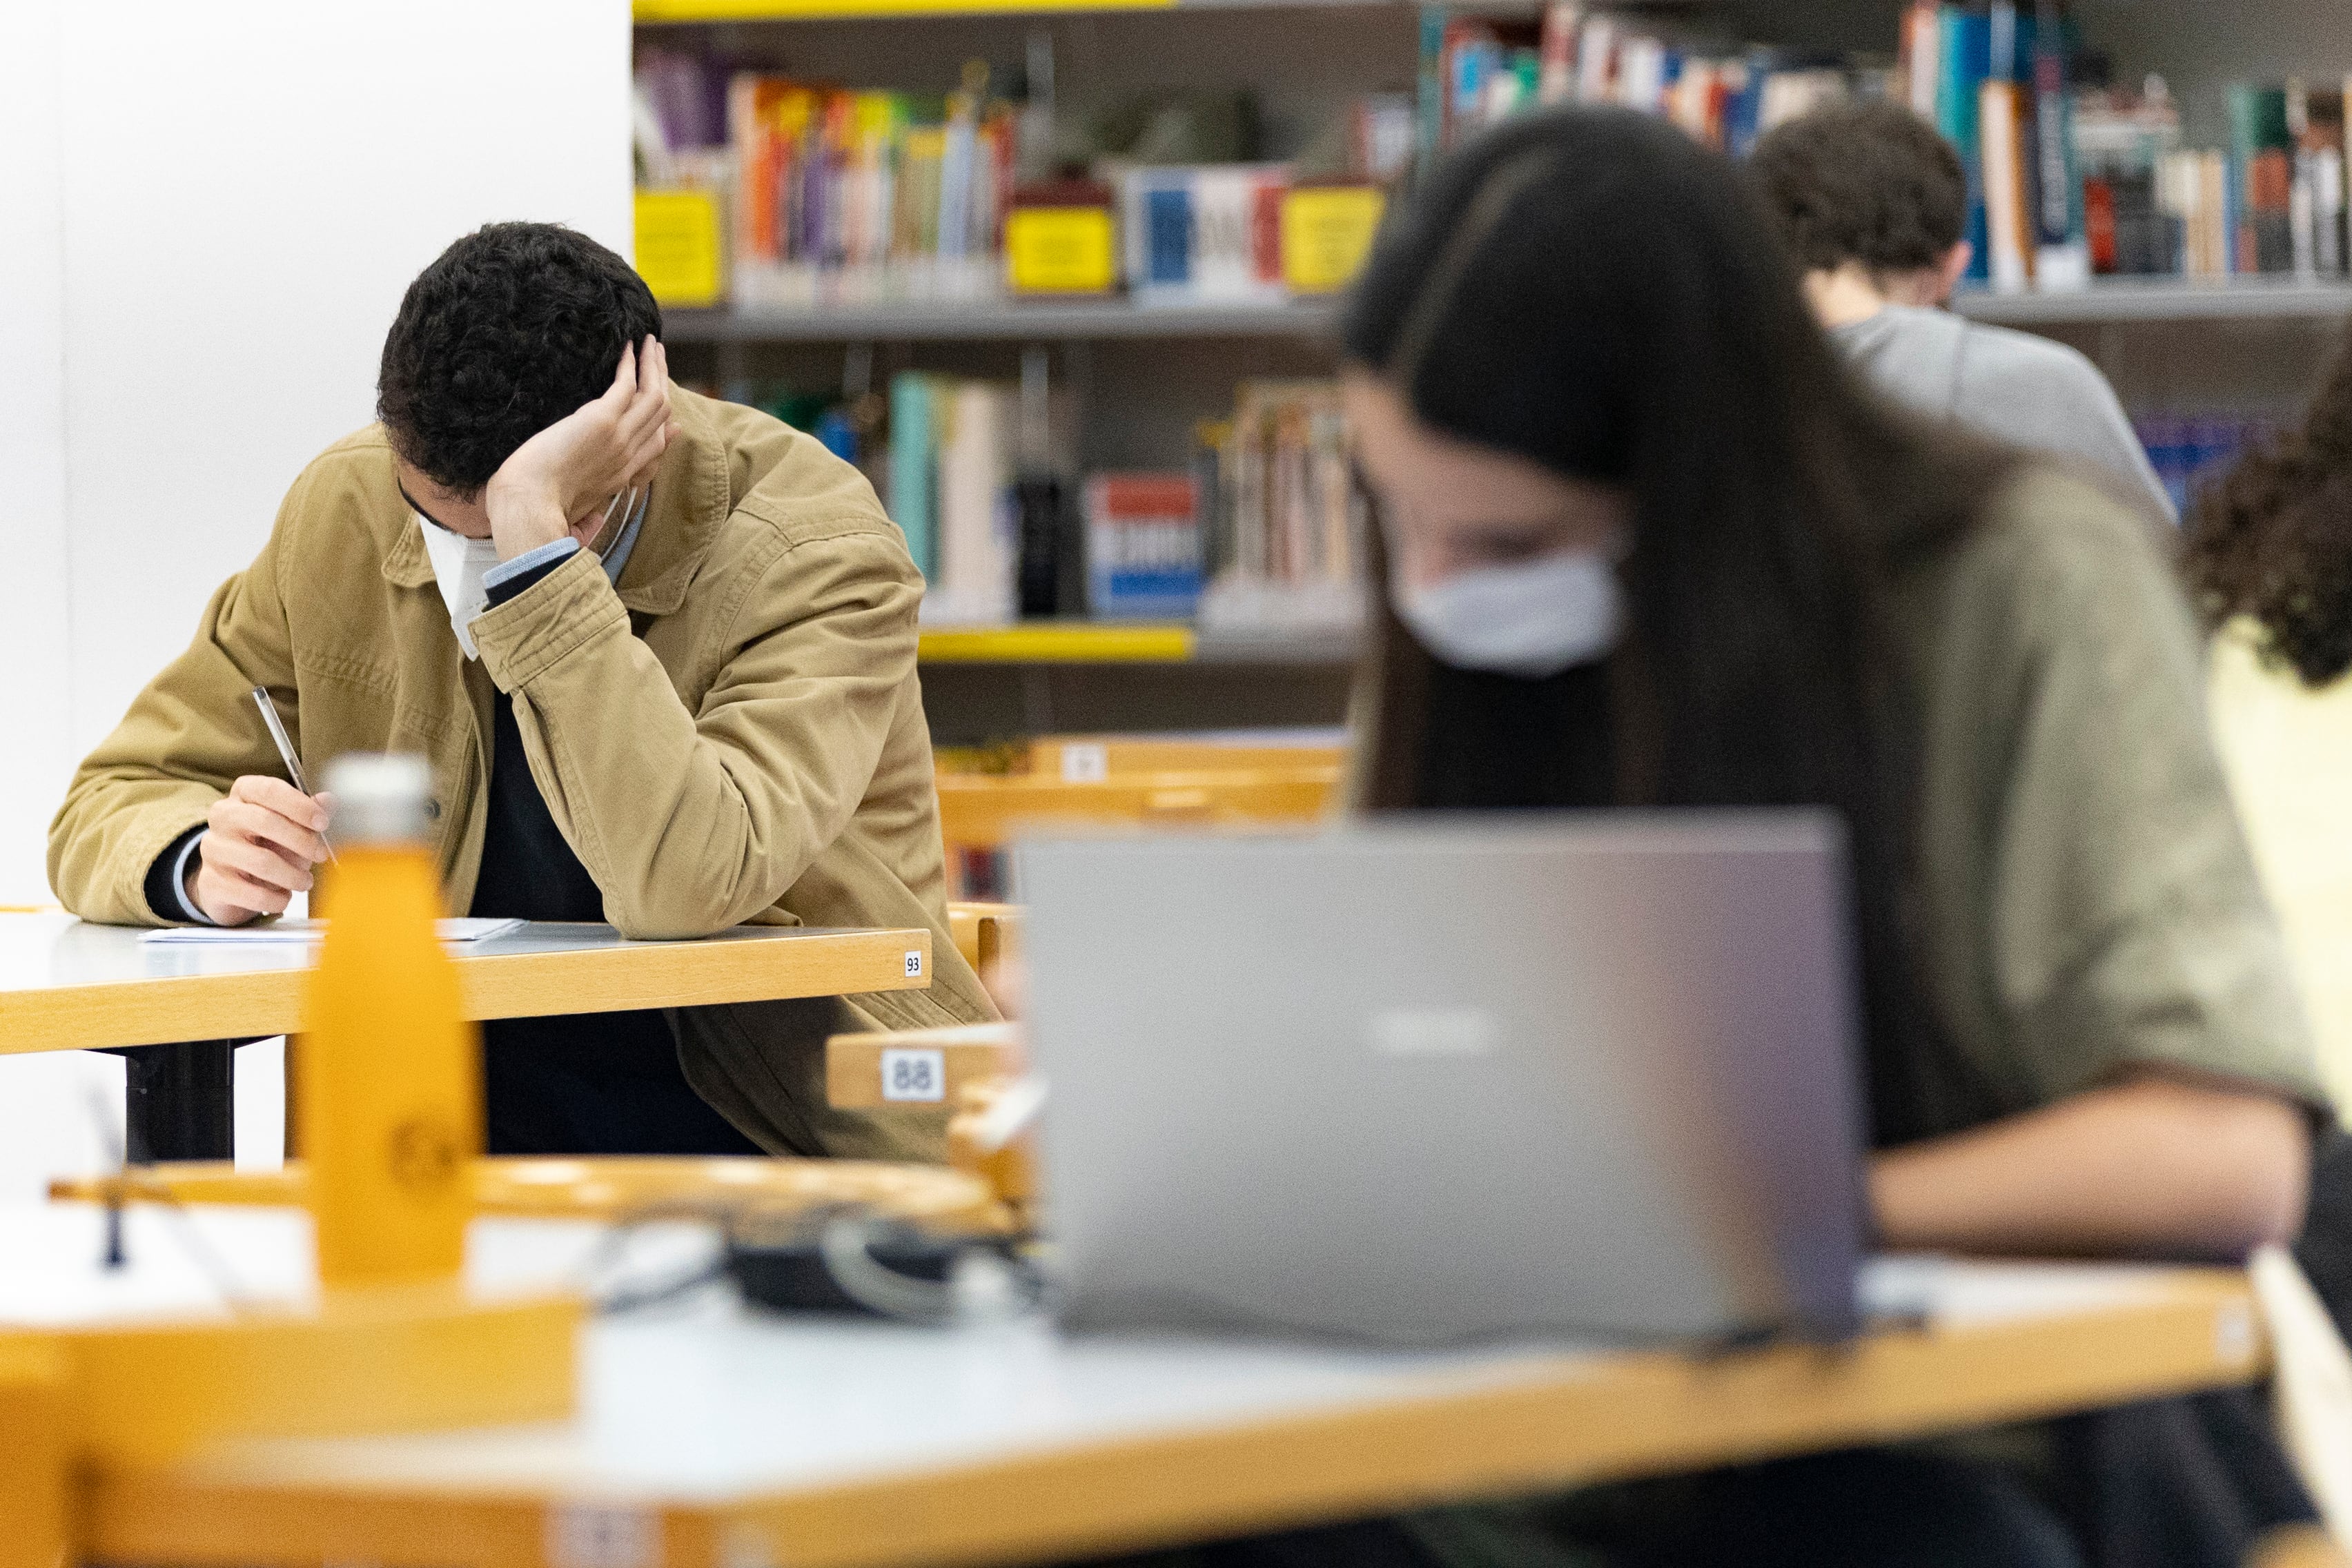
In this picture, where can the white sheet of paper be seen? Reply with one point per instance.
(465, 930)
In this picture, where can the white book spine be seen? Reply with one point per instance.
(975, 547)
(2004, 203)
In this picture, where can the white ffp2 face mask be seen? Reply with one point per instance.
(1535, 618)
(459, 564)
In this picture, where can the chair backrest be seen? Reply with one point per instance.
(917, 1069)
(985, 933)
(981, 811)
(1086, 759)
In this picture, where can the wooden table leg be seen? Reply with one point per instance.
(179, 1101)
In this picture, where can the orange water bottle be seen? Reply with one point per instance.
(389, 1085)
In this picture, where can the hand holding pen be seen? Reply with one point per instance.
(262, 841)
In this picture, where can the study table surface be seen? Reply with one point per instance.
(66, 984)
(712, 1438)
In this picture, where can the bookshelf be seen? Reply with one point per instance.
(1136, 378)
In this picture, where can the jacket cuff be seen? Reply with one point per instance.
(524, 638)
(133, 863)
(508, 579)
(167, 881)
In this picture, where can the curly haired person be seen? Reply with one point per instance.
(2269, 562)
(659, 652)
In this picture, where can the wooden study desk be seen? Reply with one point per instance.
(68, 985)
(710, 1437)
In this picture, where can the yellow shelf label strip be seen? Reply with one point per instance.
(1051, 643)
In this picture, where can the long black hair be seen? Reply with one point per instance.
(1593, 290)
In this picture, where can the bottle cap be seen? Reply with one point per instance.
(380, 798)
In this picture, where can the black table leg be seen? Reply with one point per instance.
(179, 1101)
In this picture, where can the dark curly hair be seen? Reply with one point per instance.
(510, 329)
(2273, 539)
(1862, 182)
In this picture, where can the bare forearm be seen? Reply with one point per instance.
(2152, 1167)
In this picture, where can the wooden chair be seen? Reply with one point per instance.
(974, 1070)
(1282, 779)
(979, 814)
(989, 936)
(976, 809)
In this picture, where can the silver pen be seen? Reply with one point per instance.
(286, 753)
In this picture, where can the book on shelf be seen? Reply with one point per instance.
(2062, 252)
(2009, 223)
(913, 489)
(2132, 228)
(1143, 546)
(2315, 121)
(978, 548)
(1210, 233)
(1964, 51)
(2261, 237)
(1284, 532)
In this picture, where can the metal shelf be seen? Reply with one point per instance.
(996, 319)
(2116, 300)
(2161, 299)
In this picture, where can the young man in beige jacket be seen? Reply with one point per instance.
(660, 653)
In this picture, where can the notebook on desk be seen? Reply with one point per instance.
(1453, 1081)
(465, 930)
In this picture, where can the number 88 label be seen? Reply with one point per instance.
(914, 1075)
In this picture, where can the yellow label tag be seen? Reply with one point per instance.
(1326, 232)
(678, 253)
(1060, 250)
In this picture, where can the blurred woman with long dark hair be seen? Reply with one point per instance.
(1646, 544)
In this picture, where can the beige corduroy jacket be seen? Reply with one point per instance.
(733, 732)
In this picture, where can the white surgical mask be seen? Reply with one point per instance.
(459, 564)
(1534, 618)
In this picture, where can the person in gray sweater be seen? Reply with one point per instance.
(1873, 203)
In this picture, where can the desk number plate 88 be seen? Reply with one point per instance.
(914, 1075)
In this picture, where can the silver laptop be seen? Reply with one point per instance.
(1593, 1074)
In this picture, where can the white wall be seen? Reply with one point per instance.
(207, 215)
(35, 730)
